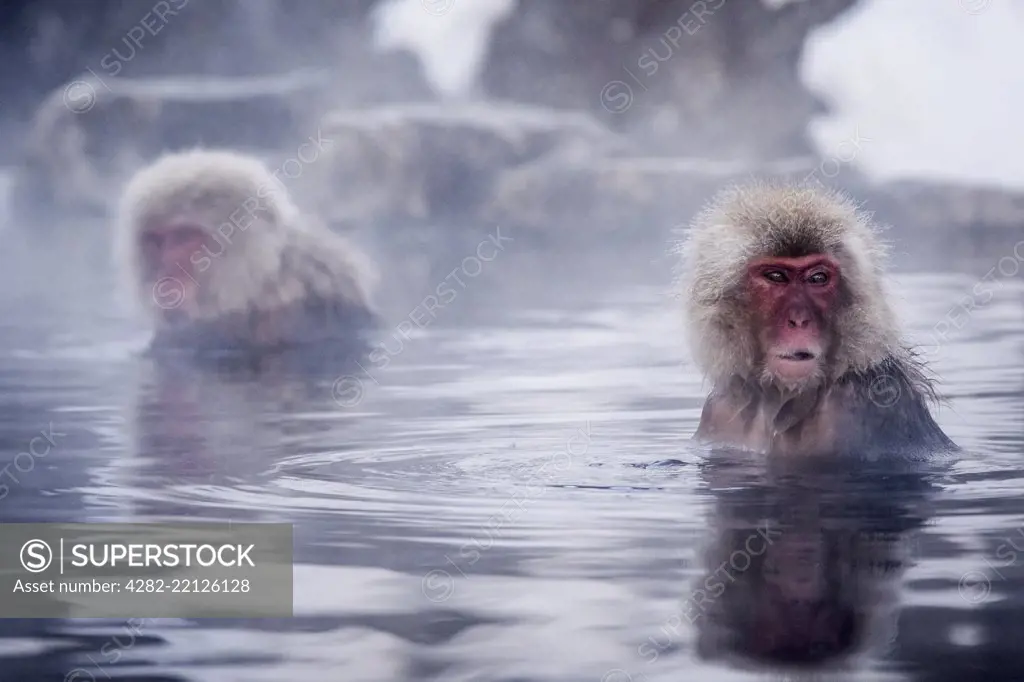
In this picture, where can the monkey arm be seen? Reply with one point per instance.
(730, 418)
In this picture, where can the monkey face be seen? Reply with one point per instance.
(793, 301)
(170, 253)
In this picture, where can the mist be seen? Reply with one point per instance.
(508, 484)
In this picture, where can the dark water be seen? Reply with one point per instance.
(514, 497)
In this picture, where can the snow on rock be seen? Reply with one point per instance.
(449, 37)
(437, 161)
(936, 86)
(88, 136)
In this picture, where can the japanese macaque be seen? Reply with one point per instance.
(789, 321)
(221, 259)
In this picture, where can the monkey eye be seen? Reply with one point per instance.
(777, 276)
(818, 278)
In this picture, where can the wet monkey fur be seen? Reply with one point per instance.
(789, 320)
(220, 258)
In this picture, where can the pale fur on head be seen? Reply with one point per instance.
(267, 254)
(765, 219)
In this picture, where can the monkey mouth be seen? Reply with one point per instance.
(798, 356)
(794, 367)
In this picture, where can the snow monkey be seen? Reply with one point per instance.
(789, 321)
(221, 259)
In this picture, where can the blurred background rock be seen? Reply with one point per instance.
(617, 115)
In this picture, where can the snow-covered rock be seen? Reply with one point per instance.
(938, 85)
(429, 162)
(91, 133)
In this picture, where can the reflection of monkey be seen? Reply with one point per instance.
(788, 318)
(214, 425)
(806, 570)
(221, 258)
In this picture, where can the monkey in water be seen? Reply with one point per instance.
(221, 259)
(789, 320)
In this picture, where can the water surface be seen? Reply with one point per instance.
(514, 497)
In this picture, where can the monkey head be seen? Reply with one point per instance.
(783, 286)
(201, 233)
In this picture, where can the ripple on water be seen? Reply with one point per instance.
(471, 438)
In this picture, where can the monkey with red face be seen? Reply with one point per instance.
(220, 258)
(789, 320)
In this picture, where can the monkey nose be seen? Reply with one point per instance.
(798, 319)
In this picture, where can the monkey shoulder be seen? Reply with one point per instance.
(333, 301)
(887, 409)
(315, 321)
(328, 272)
